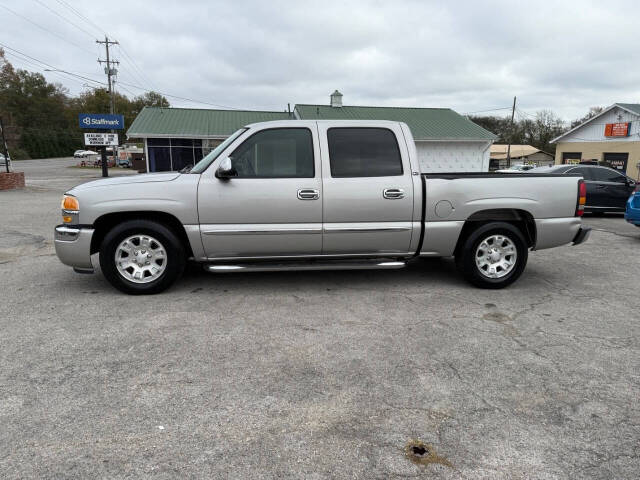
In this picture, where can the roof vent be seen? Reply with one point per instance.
(336, 99)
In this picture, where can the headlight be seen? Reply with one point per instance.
(70, 207)
(70, 203)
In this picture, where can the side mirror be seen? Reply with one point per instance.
(225, 171)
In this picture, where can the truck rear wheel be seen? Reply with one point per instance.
(493, 256)
(141, 257)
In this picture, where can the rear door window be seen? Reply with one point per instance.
(607, 175)
(586, 172)
(363, 152)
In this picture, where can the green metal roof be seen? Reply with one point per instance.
(193, 122)
(634, 107)
(425, 123)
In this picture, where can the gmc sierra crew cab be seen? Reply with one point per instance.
(312, 195)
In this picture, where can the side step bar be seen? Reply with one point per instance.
(302, 266)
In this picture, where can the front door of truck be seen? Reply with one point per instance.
(367, 190)
(273, 206)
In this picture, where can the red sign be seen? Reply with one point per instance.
(617, 129)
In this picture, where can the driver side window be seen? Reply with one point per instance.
(275, 153)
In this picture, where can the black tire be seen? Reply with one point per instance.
(175, 256)
(466, 258)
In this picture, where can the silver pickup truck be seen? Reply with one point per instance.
(313, 195)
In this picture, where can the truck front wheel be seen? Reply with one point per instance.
(141, 257)
(493, 256)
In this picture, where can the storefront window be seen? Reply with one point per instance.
(167, 154)
(159, 159)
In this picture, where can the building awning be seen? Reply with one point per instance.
(499, 151)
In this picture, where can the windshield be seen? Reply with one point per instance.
(203, 164)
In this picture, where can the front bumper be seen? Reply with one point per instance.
(582, 236)
(73, 246)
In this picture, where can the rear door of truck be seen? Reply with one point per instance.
(368, 199)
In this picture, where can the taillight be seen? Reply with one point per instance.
(582, 198)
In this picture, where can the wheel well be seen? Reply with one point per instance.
(106, 222)
(521, 219)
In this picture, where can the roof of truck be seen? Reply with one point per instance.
(425, 123)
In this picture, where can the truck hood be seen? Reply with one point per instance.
(143, 178)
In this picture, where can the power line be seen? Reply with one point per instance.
(133, 94)
(80, 15)
(526, 113)
(50, 66)
(182, 98)
(135, 65)
(131, 73)
(122, 83)
(491, 110)
(136, 72)
(46, 29)
(65, 19)
(76, 12)
(39, 67)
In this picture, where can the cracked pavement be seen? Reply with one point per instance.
(316, 374)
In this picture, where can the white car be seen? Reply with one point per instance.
(84, 153)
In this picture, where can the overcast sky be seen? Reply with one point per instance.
(467, 55)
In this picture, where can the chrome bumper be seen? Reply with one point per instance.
(73, 246)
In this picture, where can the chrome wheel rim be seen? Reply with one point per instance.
(496, 256)
(141, 259)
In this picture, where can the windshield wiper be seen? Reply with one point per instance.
(186, 169)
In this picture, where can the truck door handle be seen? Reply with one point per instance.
(308, 194)
(393, 193)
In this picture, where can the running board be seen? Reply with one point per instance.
(302, 266)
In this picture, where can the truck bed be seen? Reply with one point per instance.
(546, 201)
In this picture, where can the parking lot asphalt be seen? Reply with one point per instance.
(316, 374)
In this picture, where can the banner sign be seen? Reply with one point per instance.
(104, 121)
(100, 139)
(617, 129)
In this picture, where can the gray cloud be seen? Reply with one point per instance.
(467, 55)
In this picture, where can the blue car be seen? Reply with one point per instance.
(632, 213)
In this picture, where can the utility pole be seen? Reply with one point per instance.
(110, 71)
(513, 112)
(4, 147)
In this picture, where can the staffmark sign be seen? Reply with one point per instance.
(100, 139)
(101, 120)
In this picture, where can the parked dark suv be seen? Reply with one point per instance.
(607, 189)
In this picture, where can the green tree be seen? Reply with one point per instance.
(537, 131)
(41, 117)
